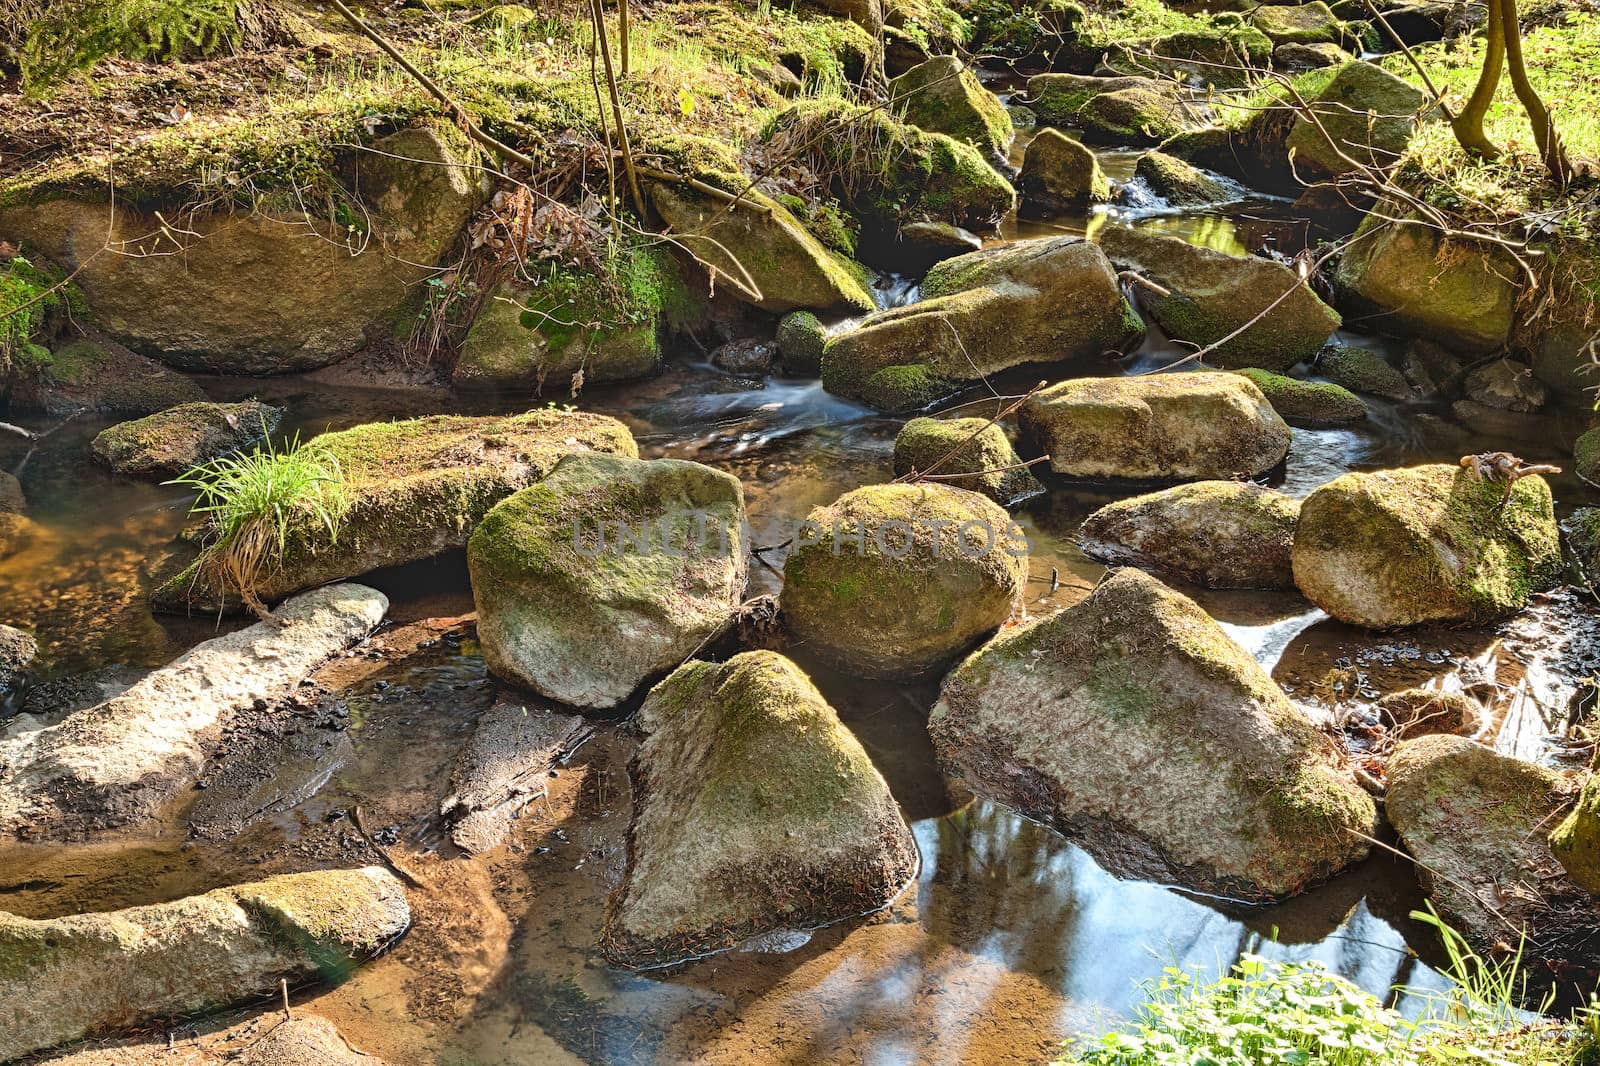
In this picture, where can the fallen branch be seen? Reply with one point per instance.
(1133, 278)
(8, 427)
(399, 871)
(702, 187)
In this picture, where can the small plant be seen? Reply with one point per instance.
(71, 36)
(1266, 1013)
(254, 503)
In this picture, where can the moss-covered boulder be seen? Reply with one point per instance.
(896, 580)
(1313, 23)
(1414, 282)
(172, 441)
(800, 338)
(889, 173)
(1363, 370)
(1559, 340)
(1221, 55)
(1199, 426)
(919, 245)
(98, 377)
(1418, 712)
(1059, 174)
(1582, 529)
(416, 488)
(1586, 456)
(1137, 116)
(1219, 534)
(1134, 725)
(1179, 183)
(1392, 548)
(1295, 58)
(967, 453)
(260, 292)
(761, 246)
(1477, 822)
(65, 978)
(755, 810)
(1576, 841)
(607, 573)
(1214, 295)
(556, 326)
(1047, 300)
(1370, 115)
(943, 96)
(1059, 99)
(1308, 403)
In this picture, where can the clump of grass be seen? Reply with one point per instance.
(1264, 1012)
(254, 503)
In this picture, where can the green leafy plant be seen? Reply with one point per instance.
(1266, 1013)
(255, 503)
(29, 297)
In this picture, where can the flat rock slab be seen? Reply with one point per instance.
(118, 763)
(501, 768)
(268, 1040)
(66, 978)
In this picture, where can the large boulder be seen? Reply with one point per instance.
(121, 762)
(1222, 54)
(1059, 174)
(1220, 534)
(1059, 99)
(966, 453)
(258, 292)
(1214, 295)
(896, 580)
(760, 243)
(1477, 823)
(1047, 300)
(100, 377)
(1363, 370)
(889, 173)
(1434, 543)
(171, 441)
(1308, 403)
(1416, 283)
(1195, 426)
(1134, 725)
(65, 978)
(1370, 115)
(607, 573)
(416, 488)
(943, 96)
(755, 810)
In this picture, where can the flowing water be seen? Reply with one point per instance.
(1009, 939)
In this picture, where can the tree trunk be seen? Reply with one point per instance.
(1468, 125)
(1553, 152)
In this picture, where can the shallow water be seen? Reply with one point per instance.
(1010, 937)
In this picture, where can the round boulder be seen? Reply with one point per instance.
(172, 441)
(607, 573)
(1198, 426)
(895, 580)
(1059, 174)
(969, 453)
(1219, 534)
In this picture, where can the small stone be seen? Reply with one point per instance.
(1362, 370)
(1060, 174)
(973, 447)
(1308, 403)
(1508, 385)
(751, 357)
(179, 438)
(800, 339)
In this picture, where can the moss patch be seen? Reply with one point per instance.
(1314, 403)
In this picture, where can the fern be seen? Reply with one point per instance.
(71, 36)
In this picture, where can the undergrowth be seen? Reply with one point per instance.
(67, 37)
(30, 297)
(1264, 1013)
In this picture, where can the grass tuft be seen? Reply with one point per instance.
(253, 502)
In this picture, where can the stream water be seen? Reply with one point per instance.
(1009, 939)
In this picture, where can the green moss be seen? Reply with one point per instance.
(1586, 456)
(972, 446)
(30, 303)
(888, 172)
(944, 96)
(1576, 841)
(1307, 402)
(905, 388)
(800, 339)
(1362, 370)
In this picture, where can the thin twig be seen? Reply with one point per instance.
(918, 475)
(986, 470)
(472, 129)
